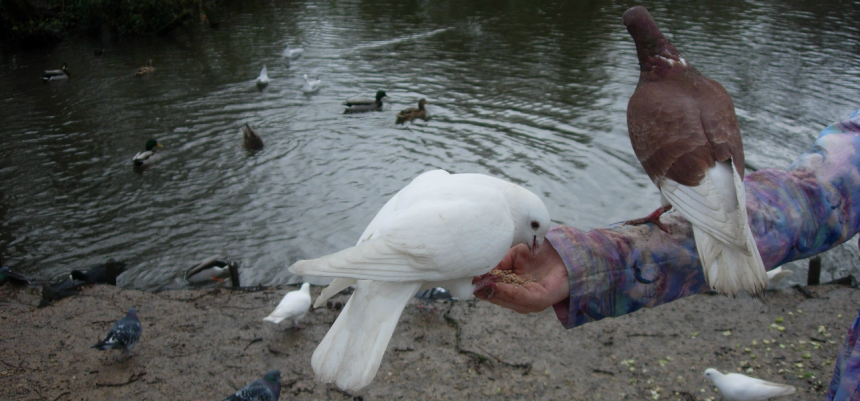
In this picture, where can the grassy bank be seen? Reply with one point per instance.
(36, 22)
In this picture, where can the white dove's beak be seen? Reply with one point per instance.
(534, 246)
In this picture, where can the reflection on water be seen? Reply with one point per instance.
(533, 93)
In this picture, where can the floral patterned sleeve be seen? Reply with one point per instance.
(794, 214)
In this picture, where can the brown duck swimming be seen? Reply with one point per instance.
(250, 139)
(413, 113)
(147, 69)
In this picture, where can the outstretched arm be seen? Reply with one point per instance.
(612, 271)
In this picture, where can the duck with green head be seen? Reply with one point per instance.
(148, 156)
(359, 105)
(56, 75)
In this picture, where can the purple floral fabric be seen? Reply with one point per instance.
(794, 214)
(845, 384)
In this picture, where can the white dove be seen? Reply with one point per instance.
(775, 276)
(441, 230)
(311, 86)
(294, 306)
(737, 387)
(263, 79)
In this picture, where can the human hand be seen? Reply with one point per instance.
(546, 268)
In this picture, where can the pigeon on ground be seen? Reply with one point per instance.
(441, 230)
(103, 273)
(293, 306)
(6, 275)
(263, 79)
(266, 389)
(737, 387)
(775, 277)
(123, 335)
(685, 133)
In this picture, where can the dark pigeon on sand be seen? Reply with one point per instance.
(100, 273)
(685, 133)
(266, 389)
(6, 275)
(123, 335)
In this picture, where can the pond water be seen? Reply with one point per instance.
(532, 93)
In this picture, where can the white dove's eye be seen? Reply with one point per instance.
(535, 225)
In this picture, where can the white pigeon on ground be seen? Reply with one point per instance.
(293, 306)
(775, 277)
(737, 387)
(263, 79)
(311, 86)
(441, 230)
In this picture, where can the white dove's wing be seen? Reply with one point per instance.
(383, 216)
(425, 244)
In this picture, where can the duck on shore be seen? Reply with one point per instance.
(214, 269)
(360, 105)
(56, 75)
(412, 113)
(147, 156)
(101, 273)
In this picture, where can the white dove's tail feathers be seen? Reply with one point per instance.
(336, 286)
(728, 270)
(352, 350)
(274, 319)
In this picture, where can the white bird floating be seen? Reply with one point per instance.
(775, 277)
(293, 306)
(263, 79)
(737, 387)
(311, 86)
(292, 53)
(441, 230)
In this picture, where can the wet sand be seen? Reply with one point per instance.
(205, 344)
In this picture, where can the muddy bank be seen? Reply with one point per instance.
(205, 344)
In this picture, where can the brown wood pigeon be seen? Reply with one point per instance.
(685, 133)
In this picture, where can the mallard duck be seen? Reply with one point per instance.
(212, 269)
(292, 53)
(250, 139)
(311, 86)
(263, 79)
(413, 113)
(56, 75)
(147, 156)
(100, 273)
(147, 69)
(358, 105)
